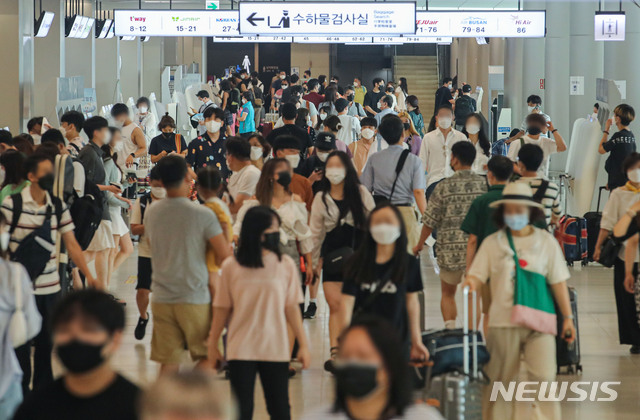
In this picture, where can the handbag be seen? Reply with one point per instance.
(333, 261)
(610, 250)
(446, 348)
(379, 199)
(533, 304)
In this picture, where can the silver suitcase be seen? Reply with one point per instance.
(459, 395)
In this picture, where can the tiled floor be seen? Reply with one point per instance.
(603, 359)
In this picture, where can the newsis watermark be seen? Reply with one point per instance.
(554, 391)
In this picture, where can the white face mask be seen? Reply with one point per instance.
(379, 105)
(385, 234)
(634, 175)
(323, 156)
(530, 109)
(119, 124)
(143, 109)
(158, 192)
(335, 175)
(107, 137)
(4, 240)
(322, 116)
(63, 131)
(282, 76)
(367, 133)
(473, 128)
(213, 126)
(444, 123)
(256, 152)
(37, 138)
(118, 147)
(294, 160)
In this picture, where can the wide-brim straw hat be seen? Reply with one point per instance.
(517, 193)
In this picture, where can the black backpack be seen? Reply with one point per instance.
(464, 108)
(234, 100)
(35, 249)
(86, 213)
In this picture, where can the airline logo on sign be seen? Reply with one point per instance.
(330, 18)
(529, 24)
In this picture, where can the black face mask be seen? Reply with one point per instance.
(284, 178)
(272, 242)
(167, 135)
(406, 126)
(46, 182)
(80, 357)
(351, 97)
(356, 380)
(534, 131)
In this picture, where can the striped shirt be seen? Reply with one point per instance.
(32, 217)
(550, 201)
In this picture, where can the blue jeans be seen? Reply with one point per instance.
(10, 401)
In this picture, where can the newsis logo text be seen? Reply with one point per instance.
(555, 391)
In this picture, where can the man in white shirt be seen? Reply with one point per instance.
(435, 150)
(350, 130)
(71, 123)
(536, 126)
(245, 176)
(534, 106)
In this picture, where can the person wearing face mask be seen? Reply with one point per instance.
(622, 201)
(71, 124)
(382, 279)
(209, 148)
(443, 94)
(204, 98)
(621, 145)
(34, 129)
(303, 120)
(372, 97)
(289, 115)
(414, 113)
(313, 87)
(87, 332)
(17, 302)
(372, 378)
(143, 286)
(168, 141)
(300, 103)
(36, 209)
(465, 106)
(288, 147)
(247, 115)
(259, 275)
(245, 176)
(145, 119)
(359, 91)
(323, 114)
(278, 94)
(260, 150)
(97, 129)
(114, 176)
(410, 136)
(400, 94)
(476, 133)
(536, 127)
(134, 143)
(333, 125)
(354, 108)
(446, 210)
(338, 217)
(313, 166)
(435, 150)
(366, 145)
(350, 130)
(534, 106)
(390, 91)
(515, 339)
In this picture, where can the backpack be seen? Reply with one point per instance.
(63, 170)
(464, 107)
(86, 213)
(18, 321)
(35, 249)
(499, 148)
(234, 100)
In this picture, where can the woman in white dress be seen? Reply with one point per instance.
(114, 176)
(476, 133)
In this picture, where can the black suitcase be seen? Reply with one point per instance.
(593, 226)
(568, 355)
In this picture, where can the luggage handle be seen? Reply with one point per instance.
(599, 196)
(465, 329)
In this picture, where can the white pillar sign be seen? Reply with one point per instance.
(609, 26)
(328, 18)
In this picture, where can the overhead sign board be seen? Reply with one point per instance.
(176, 23)
(327, 18)
(472, 24)
(609, 26)
(258, 39)
(333, 39)
(412, 40)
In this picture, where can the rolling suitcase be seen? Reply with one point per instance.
(568, 355)
(571, 233)
(459, 394)
(593, 226)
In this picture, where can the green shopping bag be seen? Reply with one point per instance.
(533, 304)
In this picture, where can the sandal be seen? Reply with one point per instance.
(328, 365)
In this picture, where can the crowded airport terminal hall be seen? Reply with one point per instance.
(319, 210)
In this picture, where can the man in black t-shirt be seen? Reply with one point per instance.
(372, 97)
(620, 146)
(443, 94)
(289, 113)
(87, 331)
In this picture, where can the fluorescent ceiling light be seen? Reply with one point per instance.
(43, 24)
